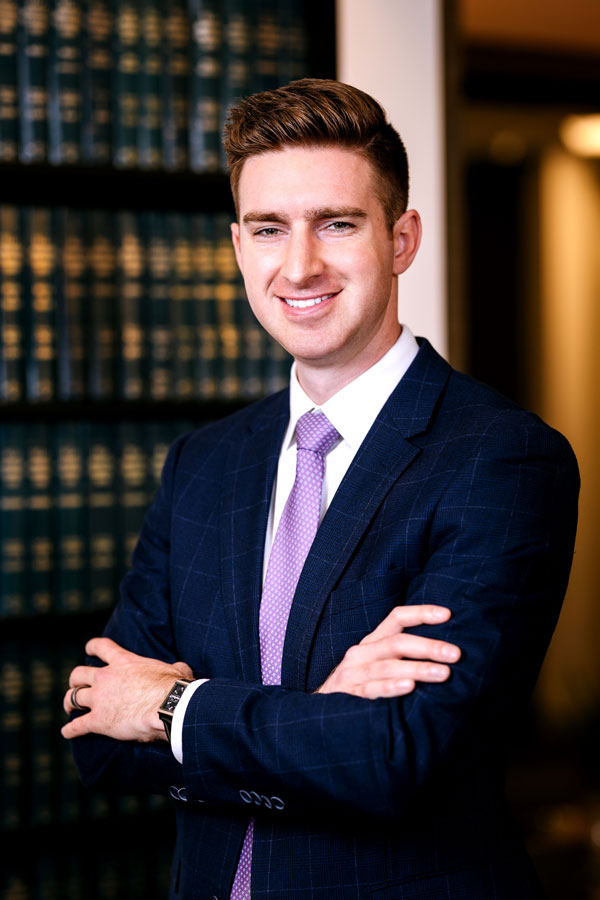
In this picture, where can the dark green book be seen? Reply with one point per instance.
(64, 82)
(226, 294)
(101, 518)
(182, 307)
(176, 85)
(205, 306)
(70, 800)
(96, 83)
(69, 516)
(72, 304)
(266, 44)
(12, 313)
(9, 121)
(103, 305)
(12, 712)
(133, 493)
(42, 737)
(32, 50)
(293, 46)
(131, 306)
(157, 293)
(237, 58)
(126, 83)
(39, 542)
(150, 114)
(40, 304)
(13, 520)
(205, 84)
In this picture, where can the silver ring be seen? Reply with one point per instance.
(74, 702)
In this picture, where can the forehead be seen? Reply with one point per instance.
(305, 177)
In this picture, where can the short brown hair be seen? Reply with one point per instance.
(313, 112)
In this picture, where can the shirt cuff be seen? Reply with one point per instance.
(178, 716)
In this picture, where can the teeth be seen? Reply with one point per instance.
(303, 304)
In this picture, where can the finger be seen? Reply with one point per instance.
(77, 727)
(407, 617)
(386, 687)
(82, 675)
(405, 669)
(105, 649)
(82, 693)
(402, 646)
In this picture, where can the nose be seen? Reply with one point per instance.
(302, 260)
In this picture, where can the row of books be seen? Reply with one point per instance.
(127, 305)
(72, 499)
(137, 83)
(39, 783)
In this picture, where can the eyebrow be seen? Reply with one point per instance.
(311, 215)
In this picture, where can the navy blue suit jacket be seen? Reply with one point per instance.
(456, 497)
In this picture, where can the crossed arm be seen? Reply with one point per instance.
(124, 695)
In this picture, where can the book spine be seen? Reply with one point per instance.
(101, 517)
(253, 339)
(12, 338)
(182, 307)
(70, 791)
(150, 118)
(32, 44)
(69, 527)
(292, 56)
(40, 721)
(133, 488)
(205, 84)
(13, 520)
(64, 88)
(40, 550)
(102, 264)
(41, 337)
(225, 293)
(236, 81)
(131, 265)
(96, 125)
(157, 292)
(9, 121)
(176, 76)
(71, 304)
(205, 306)
(12, 691)
(126, 92)
(266, 46)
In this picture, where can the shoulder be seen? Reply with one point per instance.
(474, 416)
(209, 445)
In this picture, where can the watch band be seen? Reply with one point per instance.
(169, 704)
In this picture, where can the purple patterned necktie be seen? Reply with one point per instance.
(315, 436)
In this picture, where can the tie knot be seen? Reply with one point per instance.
(315, 432)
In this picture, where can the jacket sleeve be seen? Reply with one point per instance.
(140, 623)
(501, 544)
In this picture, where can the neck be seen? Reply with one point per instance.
(320, 383)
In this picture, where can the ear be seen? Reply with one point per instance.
(407, 237)
(235, 237)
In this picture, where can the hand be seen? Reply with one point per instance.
(123, 697)
(384, 663)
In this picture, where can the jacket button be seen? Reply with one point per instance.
(245, 796)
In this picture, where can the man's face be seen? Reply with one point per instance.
(318, 259)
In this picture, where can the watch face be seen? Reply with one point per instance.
(174, 697)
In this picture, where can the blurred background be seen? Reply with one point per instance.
(123, 323)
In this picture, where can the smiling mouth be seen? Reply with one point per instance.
(304, 304)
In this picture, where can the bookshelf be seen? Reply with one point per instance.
(123, 323)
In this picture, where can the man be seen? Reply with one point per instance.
(321, 759)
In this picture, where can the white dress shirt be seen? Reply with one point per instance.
(352, 411)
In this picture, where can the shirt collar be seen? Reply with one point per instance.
(355, 407)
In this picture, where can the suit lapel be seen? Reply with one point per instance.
(245, 502)
(380, 461)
